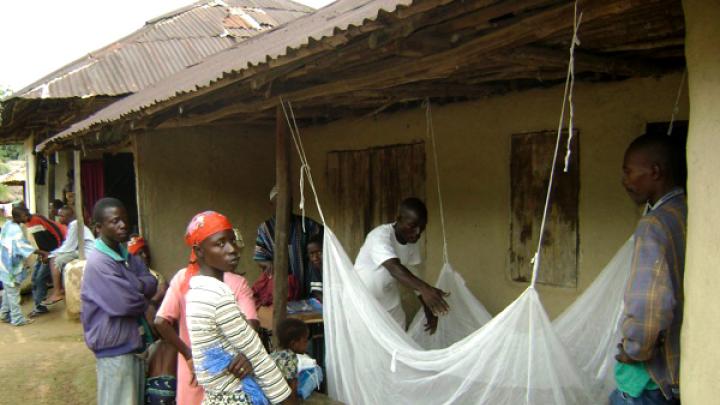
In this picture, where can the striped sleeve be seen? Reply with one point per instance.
(243, 338)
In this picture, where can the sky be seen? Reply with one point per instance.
(39, 36)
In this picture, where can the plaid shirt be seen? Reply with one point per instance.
(654, 295)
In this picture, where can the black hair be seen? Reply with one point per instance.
(57, 204)
(415, 205)
(316, 239)
(18, 210)
(668, 152)
(290, 330)
(102, 205)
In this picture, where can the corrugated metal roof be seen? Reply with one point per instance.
(165, 45)
(260, 49)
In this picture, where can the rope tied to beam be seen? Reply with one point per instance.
(567, 98)
(676, 107)
(304, 165)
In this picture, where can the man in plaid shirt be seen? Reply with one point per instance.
(648, 365)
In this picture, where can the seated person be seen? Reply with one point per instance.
(53, 210)
(315, 267)
(300, 230)
(66, 253)
(48, 236)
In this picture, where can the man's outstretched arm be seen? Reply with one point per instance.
(433, 298)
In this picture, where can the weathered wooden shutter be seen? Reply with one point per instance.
(367, 186)
(530, 163)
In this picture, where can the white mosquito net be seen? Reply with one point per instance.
(515, 358)
(467, 314)
(589, 328)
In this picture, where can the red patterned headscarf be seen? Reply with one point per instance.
(201, 227)
(135, 244)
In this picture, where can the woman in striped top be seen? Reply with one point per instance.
(215, 322)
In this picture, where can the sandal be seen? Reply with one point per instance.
(53, 302)
(37, 312)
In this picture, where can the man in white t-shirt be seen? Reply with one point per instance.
(383, 259)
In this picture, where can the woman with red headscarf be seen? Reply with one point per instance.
(217, 328)
(173, 311)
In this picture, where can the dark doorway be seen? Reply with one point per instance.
(120, 183)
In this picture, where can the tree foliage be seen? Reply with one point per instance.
(7, 152)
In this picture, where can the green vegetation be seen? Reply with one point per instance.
(7, 152)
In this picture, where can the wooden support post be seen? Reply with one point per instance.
(282, 222)
(77, 191)
(51, 179)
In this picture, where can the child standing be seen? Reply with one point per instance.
(14, 249)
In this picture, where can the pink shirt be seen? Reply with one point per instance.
(173, 309)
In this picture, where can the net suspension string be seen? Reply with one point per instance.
(676, 107)
(431, 135)
(304, 165)
(567, 99)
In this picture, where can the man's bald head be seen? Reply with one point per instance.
(411, 220)
(413, 206)
(664, 151)
(20, 214)
(653, 165)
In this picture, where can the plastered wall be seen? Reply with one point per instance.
(184, 172)
(699, 373)
(474, 151)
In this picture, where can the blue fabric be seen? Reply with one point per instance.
(217, 360)
(256, 395)
(647, 397)
(40, 277)
(14, 249)
(316, 304)
(308, 381)
(10, 310)
(161, 390)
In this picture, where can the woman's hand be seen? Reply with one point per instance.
(191, 366)
(240, 366)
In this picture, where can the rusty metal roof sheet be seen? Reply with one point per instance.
(326, 22)
(165, 45)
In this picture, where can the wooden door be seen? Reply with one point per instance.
(368, 185)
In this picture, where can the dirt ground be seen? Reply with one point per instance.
(47, 363)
